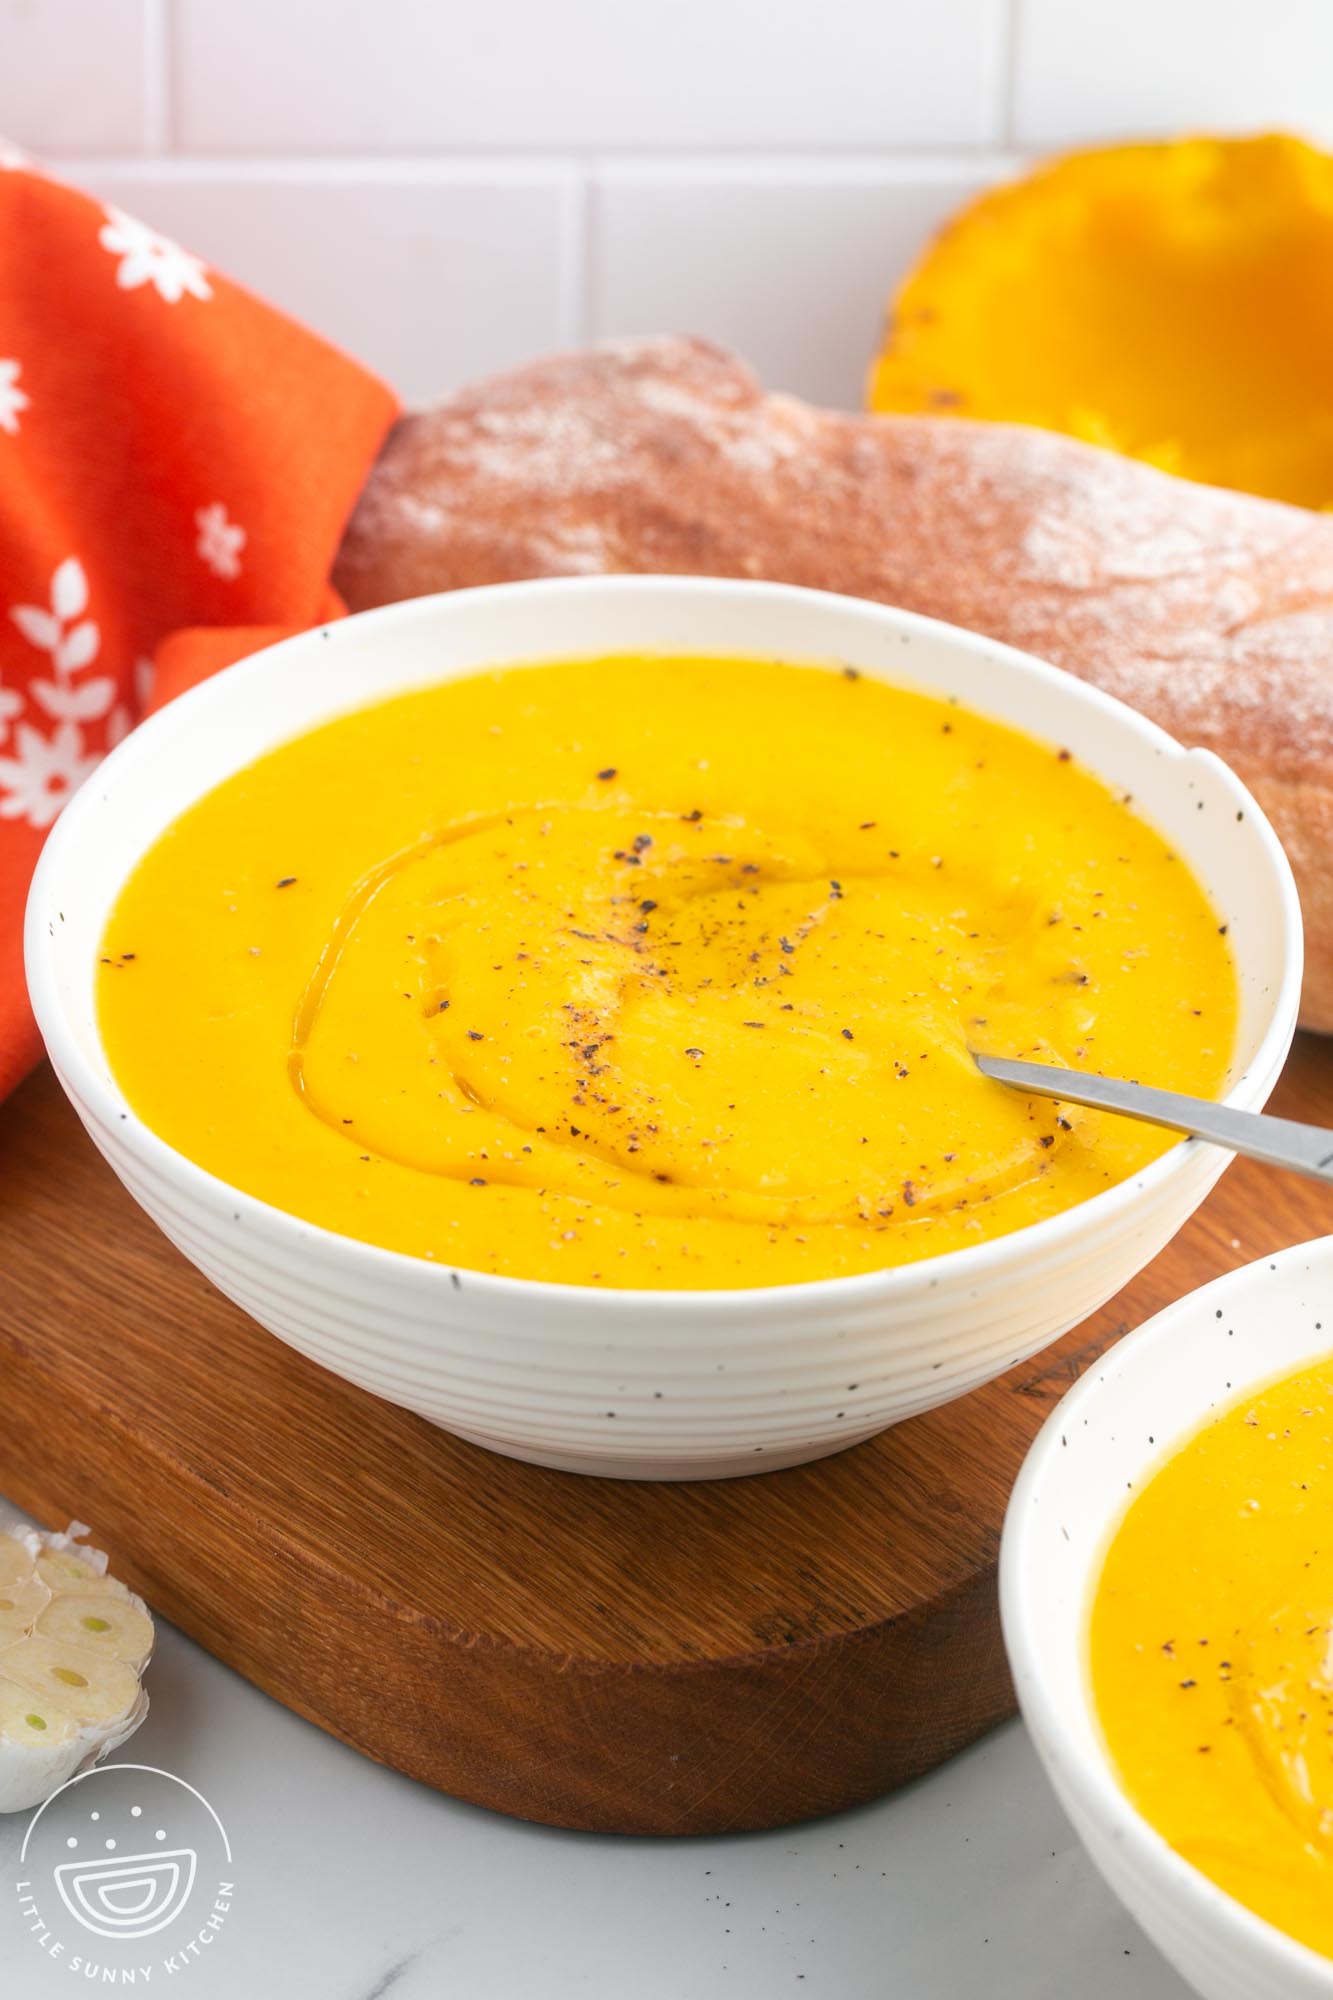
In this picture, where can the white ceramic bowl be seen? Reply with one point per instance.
(1159, 1383)
(702, 1384)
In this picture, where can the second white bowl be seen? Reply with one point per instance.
(631, 1383)
(1108, 1434)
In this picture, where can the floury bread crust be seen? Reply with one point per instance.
(1210, 611)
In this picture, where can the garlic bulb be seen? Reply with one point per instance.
(73, 1643)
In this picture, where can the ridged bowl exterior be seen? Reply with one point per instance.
(647, 1384)
(1109, 1432)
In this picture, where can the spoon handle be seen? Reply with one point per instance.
(1280, 1142)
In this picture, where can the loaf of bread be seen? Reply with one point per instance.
(1210, 611)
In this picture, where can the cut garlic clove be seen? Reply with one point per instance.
(21, 1604)
(31, 1721)
(92, 1688)
(112, 1627)
(61, 1570)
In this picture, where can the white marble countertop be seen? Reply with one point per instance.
(353, 1883)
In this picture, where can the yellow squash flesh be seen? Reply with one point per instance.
(1171, 301)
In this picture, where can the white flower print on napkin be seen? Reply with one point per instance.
(220, 541)
(12, 398)
(72, 641)
(149, 259)
(45, 772)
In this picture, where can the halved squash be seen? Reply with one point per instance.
(1173, 301)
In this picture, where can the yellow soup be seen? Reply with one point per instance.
(1212, 1652)
(658, 972)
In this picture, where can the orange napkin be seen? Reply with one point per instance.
(174, 454)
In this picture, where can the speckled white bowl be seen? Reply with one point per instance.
(1109, 1432)
(647, 1384)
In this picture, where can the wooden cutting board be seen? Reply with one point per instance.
(632, 1658)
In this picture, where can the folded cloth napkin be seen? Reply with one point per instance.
(177, 462)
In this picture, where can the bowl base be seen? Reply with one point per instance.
(626, 1465)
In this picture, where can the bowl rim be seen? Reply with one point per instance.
(973, 1262)
(1090, 1777)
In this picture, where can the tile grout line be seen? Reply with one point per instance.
(904, 168)
(576, 264)
(158, 119)
(1010, 54)
(588, 286)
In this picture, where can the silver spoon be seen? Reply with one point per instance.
(1279, 1142)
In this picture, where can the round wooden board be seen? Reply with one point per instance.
(624, 1657)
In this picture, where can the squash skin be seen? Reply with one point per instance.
(1171, 301)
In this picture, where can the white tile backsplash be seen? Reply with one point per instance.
(1098, 69)
(74, 74)
(790, 267)
(448, 186)
(403, 75)
(432, 279)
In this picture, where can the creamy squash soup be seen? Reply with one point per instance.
(659, 972)
(1212, 1652)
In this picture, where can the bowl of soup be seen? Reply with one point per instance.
(551, 1006)
(1167, 1596)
